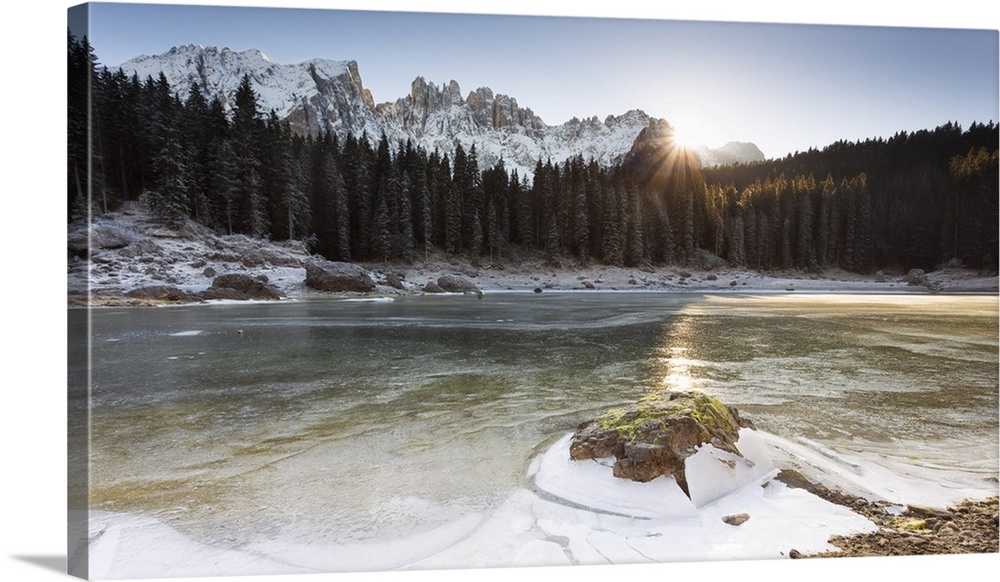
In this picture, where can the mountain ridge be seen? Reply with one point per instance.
(323, 95)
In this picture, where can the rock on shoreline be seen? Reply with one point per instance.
(970, 527)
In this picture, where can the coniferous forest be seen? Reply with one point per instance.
(915, 200)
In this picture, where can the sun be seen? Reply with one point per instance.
(685, 137)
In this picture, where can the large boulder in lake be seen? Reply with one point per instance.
(656, 435)
(240, 286)
(457, 284)
(338, 277)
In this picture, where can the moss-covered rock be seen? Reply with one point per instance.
(654, 436)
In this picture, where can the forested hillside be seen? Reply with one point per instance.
(914, 200)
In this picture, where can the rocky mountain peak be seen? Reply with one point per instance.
(323, 95)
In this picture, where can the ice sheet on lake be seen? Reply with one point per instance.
(369, 300)
(135, 546)
(883, 477)
(607, 521)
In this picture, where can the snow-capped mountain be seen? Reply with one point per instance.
(324, 95)
(733, 152)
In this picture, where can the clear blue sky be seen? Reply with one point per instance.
(784, 87)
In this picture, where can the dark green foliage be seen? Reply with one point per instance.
(611, 243)
(632, 219)
(81, 72)
(975, 207)
(886, 202)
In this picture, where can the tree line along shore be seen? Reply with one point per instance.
(922, 200)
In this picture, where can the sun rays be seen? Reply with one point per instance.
(670, 160)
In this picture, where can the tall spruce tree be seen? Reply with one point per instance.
(250, 203)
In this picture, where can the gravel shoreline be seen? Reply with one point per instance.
(968, 527)
(123, 252)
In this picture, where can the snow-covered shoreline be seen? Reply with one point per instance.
(536, 526)
(524, 530)
(536, 275)
(128, 251)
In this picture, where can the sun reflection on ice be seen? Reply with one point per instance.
(676, 371)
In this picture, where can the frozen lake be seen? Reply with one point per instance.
(332, 434)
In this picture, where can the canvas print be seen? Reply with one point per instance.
(368, 290)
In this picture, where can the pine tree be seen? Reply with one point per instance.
(863, 239)
(665, 230)
(197, 135)
(342, 216)
(282, 180)
(611, 243)
(381, 236)
(765, 246)
(834, 245)
(823, 246)
(805, 250)
(426, 214)
(476, 243)
(750, 236)
(850, 229)
(525, 233)
(473, 202)
(439, 182)
(356, 166)
(581, 225)
(687, 233)
(492, 229)
(331, 226)
(407, 240)
(250, 202)
(169, 201)
(735, 236)
(497, 211)
(453, 220)
(635, 249)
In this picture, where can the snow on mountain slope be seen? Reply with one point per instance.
(733, 152)
(329, 96)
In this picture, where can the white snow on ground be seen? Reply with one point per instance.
(576, 513)
(134, 546)
(881, 477)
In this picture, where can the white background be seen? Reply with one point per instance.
(34, 355)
